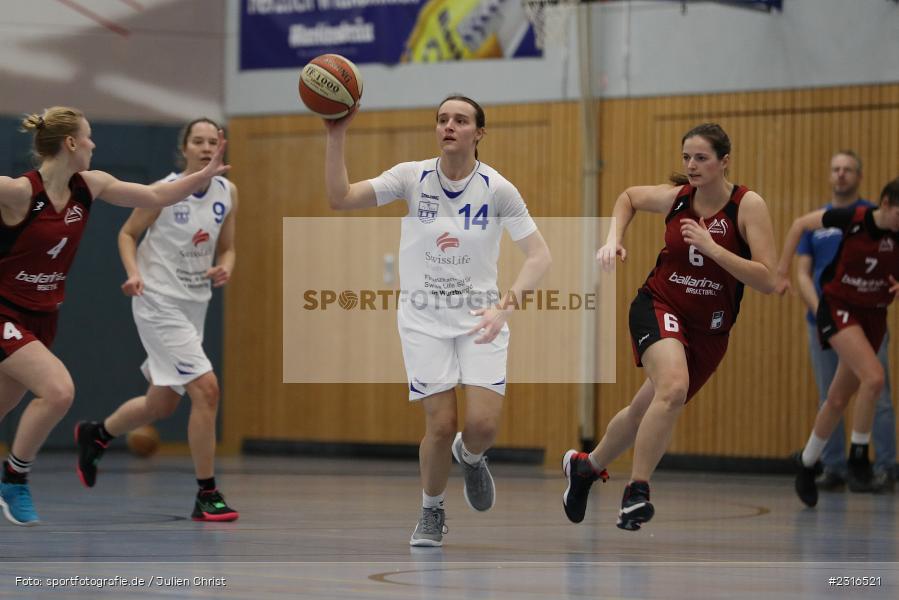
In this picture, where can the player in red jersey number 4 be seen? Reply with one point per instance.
(44, 213)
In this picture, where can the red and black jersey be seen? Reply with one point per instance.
(705, 295)
(868, 255)
(36, 254)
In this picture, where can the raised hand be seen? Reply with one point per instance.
(217, 165)
(340, 125)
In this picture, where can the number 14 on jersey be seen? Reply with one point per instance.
(480, 218)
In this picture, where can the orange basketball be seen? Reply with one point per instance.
(330, 86)
(143, 441)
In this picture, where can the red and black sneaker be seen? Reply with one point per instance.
(580, 474)
(636, 508)
(90, 450)
(211, 506)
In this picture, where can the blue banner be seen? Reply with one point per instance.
(277, 34)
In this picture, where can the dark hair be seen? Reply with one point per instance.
(851, 154)
(890, 193)
(714, 135)
(480, 119)
(51, 128)
(185, 134)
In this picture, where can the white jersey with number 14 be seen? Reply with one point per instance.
(451, 235)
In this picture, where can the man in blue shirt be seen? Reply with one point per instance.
(816, 251)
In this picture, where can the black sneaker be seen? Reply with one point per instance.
(580, 474)
(806, 488)
(830, 481)
(860, 476)
(636, 508)
(90, 450)
(211, 506)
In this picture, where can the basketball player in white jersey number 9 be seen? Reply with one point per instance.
(453, 322)
(170, 277)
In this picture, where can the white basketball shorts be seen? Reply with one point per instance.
(172, 334)
(439, 354)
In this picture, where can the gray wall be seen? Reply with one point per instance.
(640, 48)
(97, 340)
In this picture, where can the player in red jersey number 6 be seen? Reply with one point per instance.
(718, 238)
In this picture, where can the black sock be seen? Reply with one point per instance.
(206, 485)
(858, 453)
(104, 435)
(10, 475)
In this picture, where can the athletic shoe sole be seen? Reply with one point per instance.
(6, 513)
(633, 523)
(566, 469)
(225, 517)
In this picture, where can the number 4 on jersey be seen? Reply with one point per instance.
(10, 332)
(55, 250)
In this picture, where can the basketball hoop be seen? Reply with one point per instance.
(550, 19)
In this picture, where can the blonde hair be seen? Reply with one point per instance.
(51, 128)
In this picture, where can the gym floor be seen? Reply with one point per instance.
(323, 529)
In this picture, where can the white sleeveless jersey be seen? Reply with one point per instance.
(179, 246)
(451, 236)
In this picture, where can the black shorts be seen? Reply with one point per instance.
(651, 320)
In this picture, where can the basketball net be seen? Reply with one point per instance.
(550, 19)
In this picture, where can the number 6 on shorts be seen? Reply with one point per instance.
(671, 323)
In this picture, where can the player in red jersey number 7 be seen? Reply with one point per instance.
(44, 213)
(718, 238)
(856, 289)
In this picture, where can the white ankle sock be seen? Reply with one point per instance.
(431, 501)
(470, 457)
(861, 438)
(596, 466)
(813, 449)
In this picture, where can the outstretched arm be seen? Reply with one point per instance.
(160, 194)
(651, 198)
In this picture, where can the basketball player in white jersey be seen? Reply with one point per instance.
(170, 277)
(451, 318)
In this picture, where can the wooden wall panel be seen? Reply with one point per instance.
(278, 165)
(762, 401)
